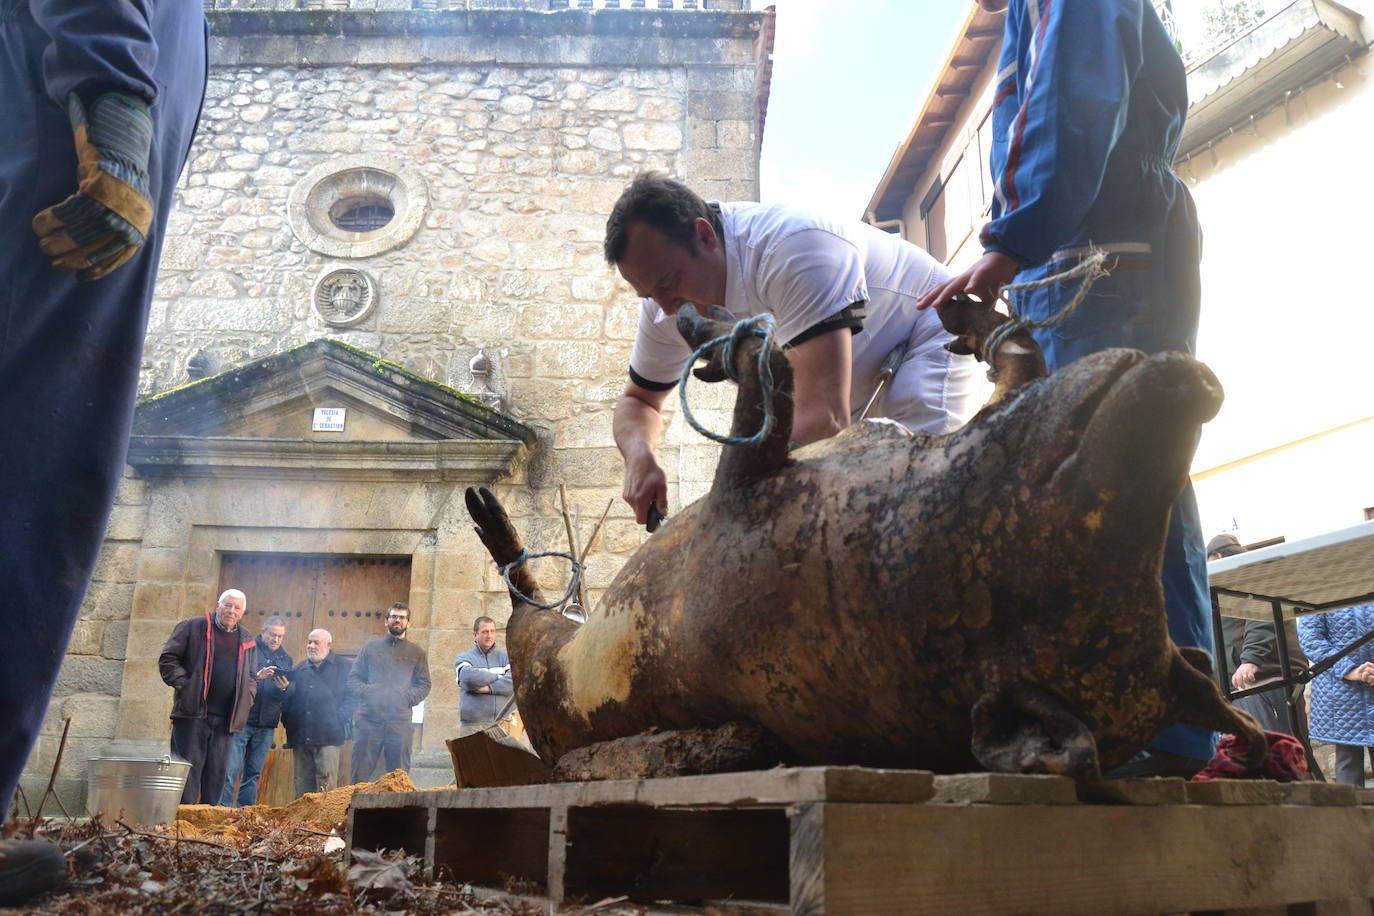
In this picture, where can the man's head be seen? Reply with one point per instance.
(230, 608)
(273, 632)
(484, 633)
(666, 242)
(317, 645)
(993, 6)
(398, 620)
(1225, 544)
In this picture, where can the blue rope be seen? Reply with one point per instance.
(525, 557)
(758, 326)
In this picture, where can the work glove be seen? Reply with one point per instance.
(106, 221)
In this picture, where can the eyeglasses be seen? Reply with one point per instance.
(397, 617)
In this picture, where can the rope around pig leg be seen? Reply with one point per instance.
(1090, 269)
(525, 557)
(758, 326)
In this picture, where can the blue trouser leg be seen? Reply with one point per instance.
(1152, 308)
(255, 755)
(234, 767)
(69, 362)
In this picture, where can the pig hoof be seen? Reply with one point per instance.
(493, 526)
(686, 752)
(1025, 729)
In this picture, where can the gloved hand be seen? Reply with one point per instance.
(106, 221)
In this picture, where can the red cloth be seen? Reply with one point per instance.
(1285, 760)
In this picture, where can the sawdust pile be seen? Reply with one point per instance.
(322, 811)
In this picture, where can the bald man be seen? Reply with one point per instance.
(318, 712)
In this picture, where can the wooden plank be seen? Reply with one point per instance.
(558, 853)
(1067, 859)
(1235, 792)
(1004, 789)
(1320, 793)
(491, 758)
(1153, 790)
(679, 854)
(1366, 796)
(806, 860)
(780, 786)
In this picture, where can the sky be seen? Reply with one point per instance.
(848, 78)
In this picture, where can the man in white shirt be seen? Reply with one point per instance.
(843, 296)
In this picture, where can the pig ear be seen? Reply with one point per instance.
(1024, 729)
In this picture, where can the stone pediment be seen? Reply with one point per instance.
(258, 419)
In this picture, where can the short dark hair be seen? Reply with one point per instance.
(477, 624)
(663, 203)
(274, 621)
(399, 606)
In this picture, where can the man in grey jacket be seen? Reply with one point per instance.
(483, 676)
(389, 676)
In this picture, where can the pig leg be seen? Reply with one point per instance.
(497, 534)
(1017, 359)
(743, 463)
(1023, 728)
(1198, 701)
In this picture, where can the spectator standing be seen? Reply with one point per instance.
(390, 676)
(483, 676)
(249, 749)
(209, 661)
(1342, 695)
(319, 714)
(1251, 656)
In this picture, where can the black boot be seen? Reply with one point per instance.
(28, 868)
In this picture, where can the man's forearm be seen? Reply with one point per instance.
(636, 427)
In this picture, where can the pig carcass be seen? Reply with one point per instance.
(989, 599)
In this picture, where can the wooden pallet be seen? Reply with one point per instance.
(843, 840)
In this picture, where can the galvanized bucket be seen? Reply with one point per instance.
(136, 790)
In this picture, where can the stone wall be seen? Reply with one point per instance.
(520, 127)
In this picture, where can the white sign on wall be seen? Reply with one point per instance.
(328, 420)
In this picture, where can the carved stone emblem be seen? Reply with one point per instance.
(344, 297)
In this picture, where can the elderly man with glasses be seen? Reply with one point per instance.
(389, 677)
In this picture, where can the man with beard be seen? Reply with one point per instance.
(318, 711)
(389, 676)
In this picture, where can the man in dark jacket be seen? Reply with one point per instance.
(318, 713)
(250, 747)
(389, 676)
(209, 662)
(1251, 656)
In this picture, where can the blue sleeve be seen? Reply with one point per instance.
(98, 46)
(503, 686)
(1315, 638)
(1073, 73)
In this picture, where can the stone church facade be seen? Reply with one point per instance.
(383, 283)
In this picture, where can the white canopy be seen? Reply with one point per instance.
(1321, 573)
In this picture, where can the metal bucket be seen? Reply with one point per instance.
(136, 790)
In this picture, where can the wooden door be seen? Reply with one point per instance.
(346, 595)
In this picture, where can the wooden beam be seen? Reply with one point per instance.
(1053, 859)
